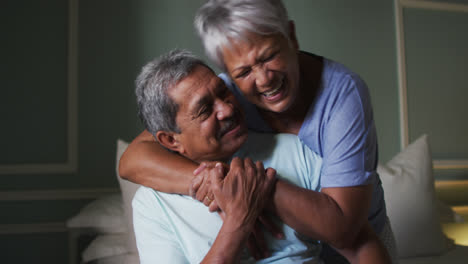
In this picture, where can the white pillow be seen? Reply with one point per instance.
(129, 258)
(105, 215)
(128, 191)
(408, 184)
(104, 246)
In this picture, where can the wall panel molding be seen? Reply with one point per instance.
(399, 5)
(401, 64)
(450, 164)
(452, 192)
(47, 195)
(421, 4)
(50, 195)
(71, 164)
(19, 229)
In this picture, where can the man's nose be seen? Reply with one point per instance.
(224, 109)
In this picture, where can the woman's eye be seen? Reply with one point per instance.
(243, 74)
(269, 58)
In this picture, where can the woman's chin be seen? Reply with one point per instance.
(277, 106)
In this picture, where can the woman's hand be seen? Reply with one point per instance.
(200, 187)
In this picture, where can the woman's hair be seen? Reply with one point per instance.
(221, 22)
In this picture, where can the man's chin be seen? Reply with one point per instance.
(237, 139)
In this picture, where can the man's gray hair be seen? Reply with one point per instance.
(156, 108)
(220, 22)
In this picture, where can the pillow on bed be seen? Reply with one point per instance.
(105, 215)
(128, 191)
(129, 258)
(408, 184)
(104, 246)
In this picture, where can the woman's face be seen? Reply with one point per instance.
(266, 70)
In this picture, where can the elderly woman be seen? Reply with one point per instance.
(283, 89)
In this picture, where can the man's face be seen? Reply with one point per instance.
(210, 120)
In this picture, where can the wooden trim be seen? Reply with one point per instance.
(419, 4)
(72, 162)
(18, 229)
(401, 64)
(451, 184)
(51, 195)
(452, 192)
(450, 164)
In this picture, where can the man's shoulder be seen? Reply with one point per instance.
(274, 148)
(146, 197)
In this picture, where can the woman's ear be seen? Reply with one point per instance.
(292, 35)
(170, 140)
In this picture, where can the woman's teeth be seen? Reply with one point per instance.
(273, 91)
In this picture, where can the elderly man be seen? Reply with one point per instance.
(189, 110)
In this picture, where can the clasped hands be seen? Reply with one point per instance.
(240, 191)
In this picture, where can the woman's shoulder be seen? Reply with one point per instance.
(339, 83)
(337, 75)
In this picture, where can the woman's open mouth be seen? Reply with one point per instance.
(276, 93)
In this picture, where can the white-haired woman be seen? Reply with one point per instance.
(283, 89)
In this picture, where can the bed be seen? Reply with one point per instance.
(415, 215)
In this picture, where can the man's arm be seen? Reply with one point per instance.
(147, 163)
(156, 241)
(241, 196)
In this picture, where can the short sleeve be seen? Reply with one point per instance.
(156, 242)
(347, 138)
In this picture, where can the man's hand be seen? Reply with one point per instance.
(244, 192)
(201, 190)
(256, 243)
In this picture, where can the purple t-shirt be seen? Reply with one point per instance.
(339, 126)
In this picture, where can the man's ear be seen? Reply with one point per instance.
(170, 140)
(292, 35)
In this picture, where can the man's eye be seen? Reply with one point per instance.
(204, 112)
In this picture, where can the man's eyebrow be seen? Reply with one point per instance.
(204, 100)
(220, 86)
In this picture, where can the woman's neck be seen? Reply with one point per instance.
(291, 120)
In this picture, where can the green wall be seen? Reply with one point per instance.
(115, 39)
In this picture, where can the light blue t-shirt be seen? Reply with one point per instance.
(172, 228)
(339, 126)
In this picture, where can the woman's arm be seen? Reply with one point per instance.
(334, 215)
(344, 134)
(147, 163)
